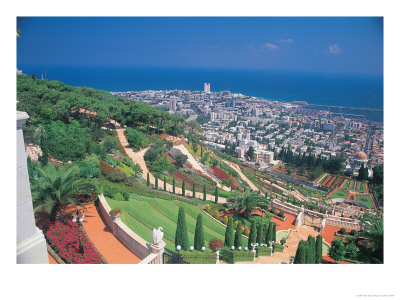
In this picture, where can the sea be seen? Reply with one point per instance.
(339, 91)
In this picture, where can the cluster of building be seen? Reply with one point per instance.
(268, 126)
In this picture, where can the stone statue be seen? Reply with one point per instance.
(157, 235)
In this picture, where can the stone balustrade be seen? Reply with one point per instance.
(149, 253)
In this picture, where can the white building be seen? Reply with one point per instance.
(172, 104)
(207, 87)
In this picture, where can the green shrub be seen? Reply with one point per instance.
(119, 197)
(127, 161)
(199, 257)
(353, 232)
(281, 214)
(232, 256)
(342, 231)
(109, 191)
(278, 247)
(263, 251)
(337, 250)
(273, 211)
(136, 139)
(225, 220)
(110, 144)
(115, 176)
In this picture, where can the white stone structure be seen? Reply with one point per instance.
(31, 244)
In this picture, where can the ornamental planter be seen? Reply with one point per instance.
(114, 213)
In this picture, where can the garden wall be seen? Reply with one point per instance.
(132, 241)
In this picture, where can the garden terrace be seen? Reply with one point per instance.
(142, 214)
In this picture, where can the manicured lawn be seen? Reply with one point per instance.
(365, 200)
(339, 194)
(142, 214)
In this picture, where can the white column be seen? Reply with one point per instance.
(31, 244)
(159, 251)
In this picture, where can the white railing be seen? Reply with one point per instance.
(150, 259)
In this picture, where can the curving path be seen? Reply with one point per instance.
(137, 158)
(103, 239)
(237, 169)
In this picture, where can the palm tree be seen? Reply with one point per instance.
(372, 237)
(55, 188)
(246, 202)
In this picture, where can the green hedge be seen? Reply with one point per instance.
(198, 257)
(232, 256)
(263, 251)
(278, 248)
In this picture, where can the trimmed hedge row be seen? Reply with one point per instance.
(263, 251)
(232, 256)
(198, 257)
(278, 248)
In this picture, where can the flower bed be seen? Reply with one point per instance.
(86, 198)
(180, 176)
(67, 239)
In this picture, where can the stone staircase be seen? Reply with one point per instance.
(292, 242)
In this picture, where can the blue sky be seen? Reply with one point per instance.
(345, 45)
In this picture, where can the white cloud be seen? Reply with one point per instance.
(287, 41)
(270, 46)
(334, 49)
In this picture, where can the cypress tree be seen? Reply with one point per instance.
(318, 250)
(181, 235)
(148, 179)
(274, 231)
(265, 231)
(183, 188)
(260, 234)
(199, 234)
(194, 190)
(253, 233)
(229, 236)
(216, 195)
(300, 257)
(173, 185)
(156, 182)
(201, 151)
(165, 184)
(269, 233)
(308, 254)
(312, 248)
(238, 235)
(204, 193)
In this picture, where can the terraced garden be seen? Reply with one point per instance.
(142, 214)
(365, 199)
(339, 194)
(355, 185)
